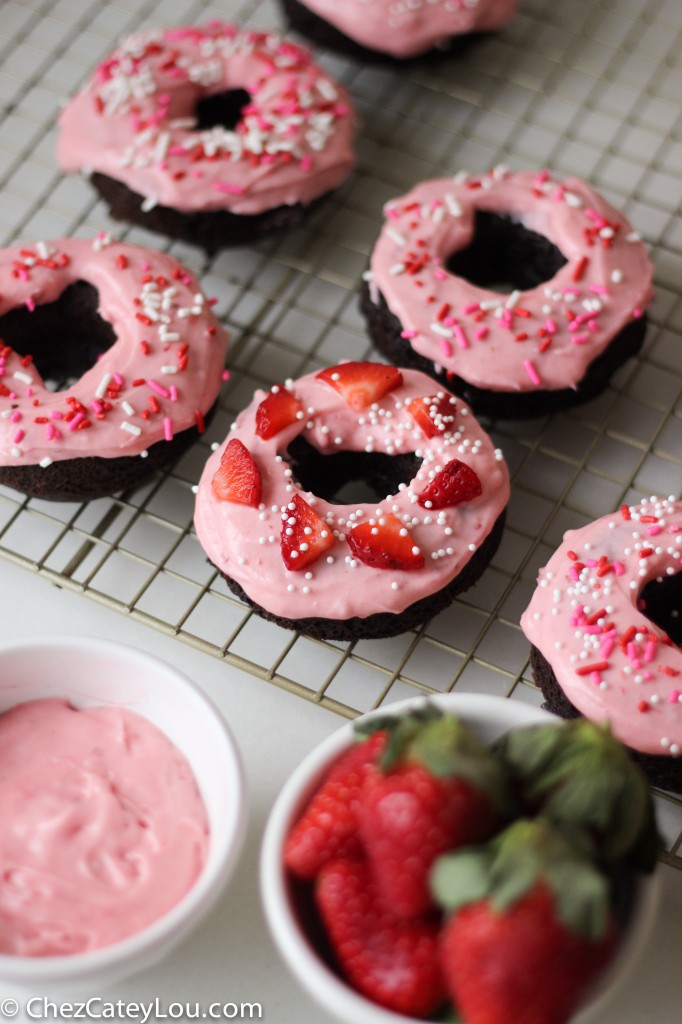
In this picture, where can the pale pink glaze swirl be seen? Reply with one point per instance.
(135, 121)
(613, 663)
(244, 542)
(162, 374)
(406, 28)
(543, 338)
(103, 827)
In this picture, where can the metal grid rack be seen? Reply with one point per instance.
(589, 88)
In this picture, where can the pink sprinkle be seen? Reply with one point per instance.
(529, 367)
(636, 313)
(119, 379)
(16, 416)
(595, 678)
(591, 630)
(167, 428)
(96, 406)
(392, 213)
(462, 339)
(78, 418)
(653, 531)
(306, 163)
(51, 432)
(446, 347)
(580, 339)
(649, 651)
(595, 217)
(173, 393)
(157, 387)
(618, 568)
(440, 275)
(30, 303)
(573, 573)
(607, 646)
(472, 307)
(29, 392)
(57, 415)
(19, 436)
(408, 334)
(558, 193)
(481, 334)
(225, 375)
(550, 326)
(228, 188)
(542, 176)
(599, 289)
(674, 696)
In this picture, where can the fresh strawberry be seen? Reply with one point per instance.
(328, 827)
(305, 535)
(361, 384)
(584, 780)
(454, 484)
(237, 478)
(434, 415)
(392, 962)
(436, 789)
(530, 930)
(278, 410)
(385, 543)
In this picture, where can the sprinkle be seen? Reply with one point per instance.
(529, 367)
(167, 428)
(586, 670)
(131, 428)
(157, 387)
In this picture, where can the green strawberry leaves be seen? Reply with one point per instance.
(509, 866)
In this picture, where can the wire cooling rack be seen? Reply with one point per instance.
(589, 88)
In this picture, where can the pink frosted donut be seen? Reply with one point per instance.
(130, 340)
(604, 626)
(400, 28)
(207, 131)
(523, 292)
(270, 516)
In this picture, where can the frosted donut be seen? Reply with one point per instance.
(271, 516)
(605, 628)
(209, 133)
(402, 30)
(521, 292)
(127, 336)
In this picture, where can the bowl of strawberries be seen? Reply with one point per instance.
(462, 858)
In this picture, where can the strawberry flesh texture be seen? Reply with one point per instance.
(392, 962)
(237, 478)
(361, 384)
(309, 538)
(408, 818)
(521, 965)
(278, 410)
(380, 544)
(434, 415)
(454, 484)
(328, 828)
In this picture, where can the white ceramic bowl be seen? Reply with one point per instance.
(491, 717)
(88, 671)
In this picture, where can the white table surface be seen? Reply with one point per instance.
(231, 958)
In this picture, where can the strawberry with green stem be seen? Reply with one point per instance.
(530, 926)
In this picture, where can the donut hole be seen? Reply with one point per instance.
(661, 601)
(65, 337)
(504, 255)
(221, 109)
(345, 477)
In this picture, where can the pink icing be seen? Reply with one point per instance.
(542, 338)
(409, 27)
(103, 827)
(159, 377)
(135, 121)
(610, 660)
(244, 542)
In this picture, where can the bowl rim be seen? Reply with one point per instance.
(320, 981)
(159, 936)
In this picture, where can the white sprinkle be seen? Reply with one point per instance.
(103, 385)
(395, 235)
(45, 462)
(149, 203)
(131, 428)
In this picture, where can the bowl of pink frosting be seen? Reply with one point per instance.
(123, 809)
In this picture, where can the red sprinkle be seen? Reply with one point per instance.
(597, 666)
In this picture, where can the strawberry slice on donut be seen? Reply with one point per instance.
(361, 383)
(237, 479)
(434, 414)
(305, 535)
(385, 543)
(278, 410)
(454, 484)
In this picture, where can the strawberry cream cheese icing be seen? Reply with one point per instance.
(407, 28)
(103, 827)
(160, 376)
(136, 121)
(538, 339)
(298, 555)
(612, 662)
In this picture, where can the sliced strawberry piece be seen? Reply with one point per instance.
(361, 384)
(278, 410)
(455, 484)
(237, 479)
(394, 963)
(305, 535)
(435, 414)
(385, 544)
(328, 827)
